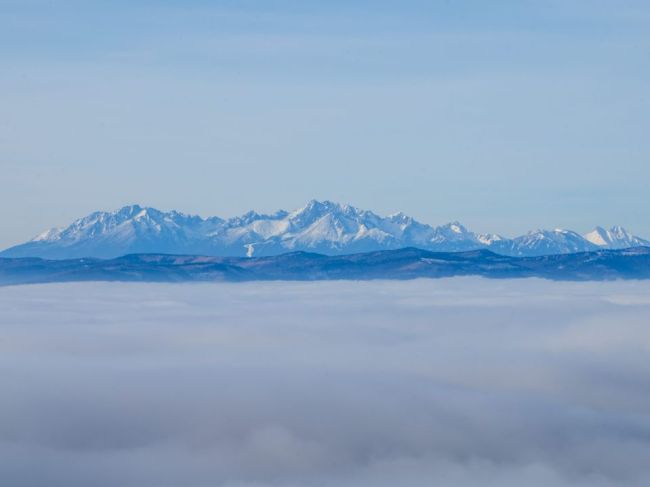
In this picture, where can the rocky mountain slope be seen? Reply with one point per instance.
(320, 226)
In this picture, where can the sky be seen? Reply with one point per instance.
(505, 115)
(330, 384)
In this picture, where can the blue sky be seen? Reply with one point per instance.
(505, 115)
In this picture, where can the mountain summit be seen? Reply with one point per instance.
(320, 226)
(614, 238)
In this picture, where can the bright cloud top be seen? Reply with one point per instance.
(452, 382)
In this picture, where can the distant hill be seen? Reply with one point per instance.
(408, 263)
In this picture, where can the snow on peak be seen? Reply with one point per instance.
(616, 237)
(320, 226)
(50, 234)
(457, 228)
(489, 238)
(598, 236)
(400, 217)
(316, 206)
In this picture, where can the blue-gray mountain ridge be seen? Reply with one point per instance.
(406, 263)
(321, 227)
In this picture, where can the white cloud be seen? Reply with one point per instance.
(457, 382)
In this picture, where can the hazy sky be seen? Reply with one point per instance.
(376, 384)
(506, 115)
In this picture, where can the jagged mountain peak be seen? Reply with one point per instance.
(317, 208)
(455, 227)
(320, 226)
(598, 236)
(616, 237)
(129, 210)
(620, 232)
(400, 217)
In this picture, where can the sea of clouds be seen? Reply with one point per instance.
(454, 382)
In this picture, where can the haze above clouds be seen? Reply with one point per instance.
(507, 115)
(447, 382)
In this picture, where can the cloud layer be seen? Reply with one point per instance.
(456, 382)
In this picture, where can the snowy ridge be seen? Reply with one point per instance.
(614, 238)
(320, 226)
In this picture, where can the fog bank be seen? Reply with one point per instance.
(453, 382)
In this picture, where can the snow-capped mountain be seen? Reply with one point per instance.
(614, 238)
(544, 242)
(320, 226)
(132, 229)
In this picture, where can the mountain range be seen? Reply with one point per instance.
(321, 227)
